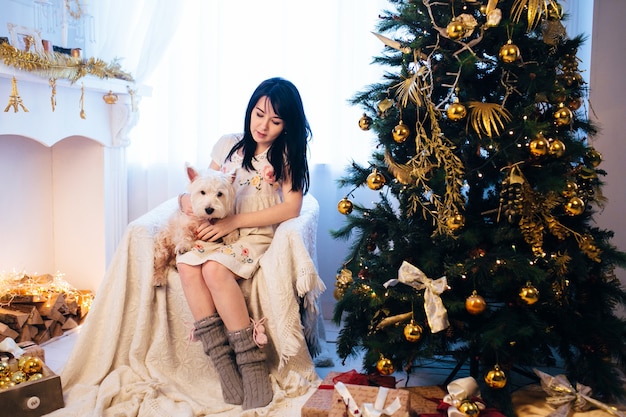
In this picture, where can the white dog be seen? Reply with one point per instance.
(212, 197)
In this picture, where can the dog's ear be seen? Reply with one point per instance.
(191, 172)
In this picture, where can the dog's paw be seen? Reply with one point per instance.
(232, 237)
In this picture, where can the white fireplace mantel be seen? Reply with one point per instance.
(84, 170)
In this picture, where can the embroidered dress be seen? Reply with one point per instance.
(256, 190)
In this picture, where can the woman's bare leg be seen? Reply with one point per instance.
(226, 295)
(196, 292)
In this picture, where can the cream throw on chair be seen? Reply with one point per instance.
(133, 356)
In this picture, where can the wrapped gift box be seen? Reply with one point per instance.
(318, 404)
(34, 398)
(366, 394)
(424, 400)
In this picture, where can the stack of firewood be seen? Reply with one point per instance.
(39, 313)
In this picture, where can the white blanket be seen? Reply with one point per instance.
(133, 356)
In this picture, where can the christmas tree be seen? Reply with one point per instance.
(481, 245)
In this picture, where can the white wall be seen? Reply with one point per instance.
(608, 101)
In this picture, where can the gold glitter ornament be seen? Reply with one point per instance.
(593, 157)
(469, 408)
(345, 206)
(539, 146)
(5, 369)
(575, 206)
(32, 365)
(456, 111)
(509, 52)
(455, 30)
(18, 377)
(413, 332)
(563, 115)
(496, 378)
(35, 377)
(375, 180)
(529, 294)
(570, 190)
(557, 148)
(385, 366)
(365, 122)
(475, 304)
(400, 132)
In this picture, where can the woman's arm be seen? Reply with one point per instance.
(288, 209)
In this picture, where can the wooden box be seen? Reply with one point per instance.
(34, 398)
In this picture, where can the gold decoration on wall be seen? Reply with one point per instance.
(83, 115)
(536, 9)
(488, 118)
(59, 65)
(15, 100)
(53, 98)
(76, 13)
(110, 98)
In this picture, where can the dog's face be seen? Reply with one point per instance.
(212, 194)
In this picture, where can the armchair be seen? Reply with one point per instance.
(134, 357)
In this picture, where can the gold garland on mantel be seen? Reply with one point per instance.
(57, 65)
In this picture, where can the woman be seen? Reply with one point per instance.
(269, 161)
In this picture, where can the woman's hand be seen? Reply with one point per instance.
(216, 229)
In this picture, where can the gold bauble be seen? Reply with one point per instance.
(18, 377)
(594, 157)
(22, 361)
(375, 180)
(509, 53)
(562, 116)
(456, 222)
(365, 122)
(413, 332)
(557, 148)
(571, 188)
(575, 103)
(475, 304)
(35, 377)
(385, 366)
(455, 30)
(32, 366)
(575, 206)
(6, 384)
(469, 408)
(496, 378)
(529, 294)
(539, 146)
(400, 132)
(456, 111)
(5, 369)
(345, 206)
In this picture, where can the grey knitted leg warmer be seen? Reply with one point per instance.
(212, 333)
(257, 388)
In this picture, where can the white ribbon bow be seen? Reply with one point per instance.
(459, 390)
(436, 313)
(564, 396)
(369, 410)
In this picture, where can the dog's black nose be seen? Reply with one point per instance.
(209, 210)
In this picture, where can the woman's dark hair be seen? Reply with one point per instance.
(289, 149)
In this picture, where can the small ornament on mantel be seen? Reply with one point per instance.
(15, 100)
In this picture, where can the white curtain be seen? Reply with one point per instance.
(219, 52)
(200, 62)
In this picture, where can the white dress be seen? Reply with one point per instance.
(255, 190)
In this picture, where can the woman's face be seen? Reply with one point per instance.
(265, 124)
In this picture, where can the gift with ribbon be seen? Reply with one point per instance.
(460, 392)
(565, 398)
(319, 404)
(436, 312)
(366, 401)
